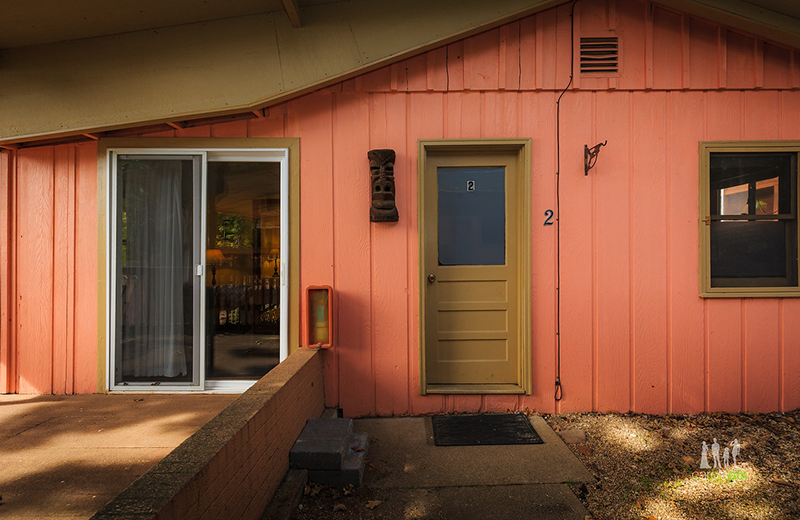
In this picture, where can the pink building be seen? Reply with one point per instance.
(164, 241)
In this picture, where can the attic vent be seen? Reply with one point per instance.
(600, 55)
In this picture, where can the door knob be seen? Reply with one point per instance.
(431, 278)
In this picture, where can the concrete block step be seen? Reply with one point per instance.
(322, 444)
(352, 469)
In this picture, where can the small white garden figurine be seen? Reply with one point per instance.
(735, 450)
(726, 457)
(715, 453)
(704, 457)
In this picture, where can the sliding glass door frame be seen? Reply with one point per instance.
(199, 190)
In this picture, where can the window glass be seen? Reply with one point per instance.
(753, 236)
(751, 183)
(243, 256)
(472, 216)
(155, 270)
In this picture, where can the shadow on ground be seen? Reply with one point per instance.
(66, 456)
(648, 466)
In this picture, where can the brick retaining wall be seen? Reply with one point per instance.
(231, 467)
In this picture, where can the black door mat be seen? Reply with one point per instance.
(483, 430)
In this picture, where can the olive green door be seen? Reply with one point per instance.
(473, 277)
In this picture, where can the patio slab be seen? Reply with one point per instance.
(403, 455)
(67, 456)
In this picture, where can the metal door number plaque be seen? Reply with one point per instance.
(470, 185)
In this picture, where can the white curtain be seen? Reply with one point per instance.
(156, 270)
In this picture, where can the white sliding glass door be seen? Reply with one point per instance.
(197, 278)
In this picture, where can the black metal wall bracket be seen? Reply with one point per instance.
(590, 156)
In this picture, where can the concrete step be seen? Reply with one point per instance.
(352, 469)
(322, 445)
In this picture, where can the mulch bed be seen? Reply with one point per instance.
(648, 466)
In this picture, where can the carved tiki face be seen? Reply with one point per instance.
(381, 169)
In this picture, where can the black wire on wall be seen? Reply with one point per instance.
(559, 388)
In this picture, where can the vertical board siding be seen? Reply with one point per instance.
(316, 214)
(6, 372)
(612, 195)
(35, 274)
(352, 252)
(64, 267)
(54, 342)
(649, 242)
(86, 271)
(686, 311)
(635, 335)
(577, 243)
(539, 122)
(389, 312)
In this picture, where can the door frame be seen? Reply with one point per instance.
(286, 151)
(475, 147)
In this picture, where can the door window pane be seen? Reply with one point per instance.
(243, 255)
(472, 216)
(154, 264)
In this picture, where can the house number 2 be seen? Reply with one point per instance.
(549, 220)
(470, 185)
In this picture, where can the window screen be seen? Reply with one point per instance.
(753, 206)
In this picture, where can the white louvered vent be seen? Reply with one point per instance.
(600, 55)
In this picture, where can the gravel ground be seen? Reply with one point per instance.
(648, 466)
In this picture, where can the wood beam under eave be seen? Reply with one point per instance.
(10, 147)
(176, 126)
(293, 10)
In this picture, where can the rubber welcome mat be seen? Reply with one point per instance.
(483, 430)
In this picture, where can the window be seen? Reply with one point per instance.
(201, 265)
(749, 231)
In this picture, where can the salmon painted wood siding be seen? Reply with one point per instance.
(48, 270)
(635, 333)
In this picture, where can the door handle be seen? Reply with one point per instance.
(431, 278)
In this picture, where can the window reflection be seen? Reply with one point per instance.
(243, 254)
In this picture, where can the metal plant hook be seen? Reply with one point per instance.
(590, 156)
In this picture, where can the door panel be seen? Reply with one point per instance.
(157, 289)
(472, 336)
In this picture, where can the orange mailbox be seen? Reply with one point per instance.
(320, 316)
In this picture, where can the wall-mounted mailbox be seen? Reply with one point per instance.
(320, 316)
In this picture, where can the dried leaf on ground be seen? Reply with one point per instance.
(372, 504)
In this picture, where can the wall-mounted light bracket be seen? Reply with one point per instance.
(590, 156)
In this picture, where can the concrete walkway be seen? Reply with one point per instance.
(499, 482)
(64, 457)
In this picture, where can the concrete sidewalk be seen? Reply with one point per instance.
(64, 457)
(416, 479)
